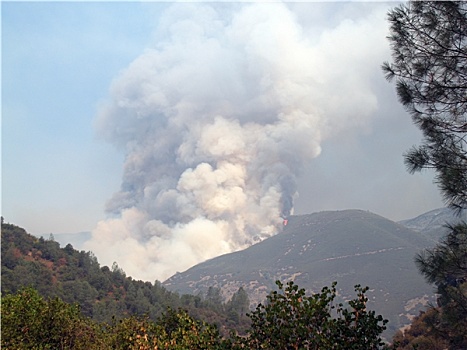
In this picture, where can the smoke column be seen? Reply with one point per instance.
(216, 121)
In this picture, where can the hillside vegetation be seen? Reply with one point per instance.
(103, 293)
(59, 298)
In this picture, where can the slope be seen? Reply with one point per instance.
(433, 223)
(102, 292)
(350, 247)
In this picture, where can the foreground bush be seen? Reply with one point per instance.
(288, 320)
(292, 320)
(32, 322)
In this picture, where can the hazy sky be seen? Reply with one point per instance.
(112, 107)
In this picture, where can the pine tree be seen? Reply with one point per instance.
(428, 41)
(446, 267)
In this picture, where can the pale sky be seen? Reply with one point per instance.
(58, 60)
(60, 167)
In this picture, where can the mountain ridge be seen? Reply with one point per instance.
(433, 223)
(349, 246)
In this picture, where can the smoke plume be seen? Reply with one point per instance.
(216, 121)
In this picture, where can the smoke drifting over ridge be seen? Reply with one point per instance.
(216, 121)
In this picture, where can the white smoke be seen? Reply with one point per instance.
(216, 121)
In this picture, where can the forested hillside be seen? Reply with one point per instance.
(59, 298)
(102, 292)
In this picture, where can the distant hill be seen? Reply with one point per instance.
(433, 223)
(350, 247)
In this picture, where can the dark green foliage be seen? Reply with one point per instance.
(179, 329)
(238, 306)
(421, 335)
(172, 331)
(428, 42)
(446, 267)
(80, 292)
(101, 292)
(31, 322)
(430, 69)
(213, 298)
(292, 320)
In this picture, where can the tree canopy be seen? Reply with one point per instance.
(428, 42)
(289, 320)
(102, 292)
(446, 267)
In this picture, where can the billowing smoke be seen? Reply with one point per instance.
(216, 121)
